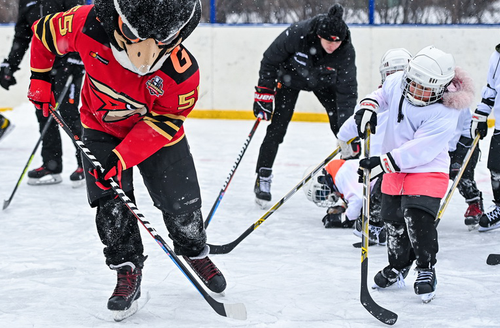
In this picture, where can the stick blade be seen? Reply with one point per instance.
(383, 315)
(236, 311)
(6, 203)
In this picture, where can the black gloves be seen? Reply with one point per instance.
(263, 102)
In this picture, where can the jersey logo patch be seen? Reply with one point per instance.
(155, 86)
(96, 56)
(117, 106)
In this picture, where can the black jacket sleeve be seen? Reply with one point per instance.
(347, 85)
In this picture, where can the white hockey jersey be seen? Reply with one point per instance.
(416, 137)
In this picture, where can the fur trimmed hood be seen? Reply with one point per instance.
(460, 93)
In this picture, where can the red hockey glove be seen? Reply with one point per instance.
(263, 103)
(377, 165)
(479, 124)
(112, 169)
(367, 113)
(40, 94)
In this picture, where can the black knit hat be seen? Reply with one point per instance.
(331, 26)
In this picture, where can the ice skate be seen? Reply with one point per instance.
(207, 271)
(490, 220)
(473, 212)
(5, 127)
(376, 233)
(262, 187)
(425, 285)
(389, 276)
(77, 178)
(123, 301)
(43, 176)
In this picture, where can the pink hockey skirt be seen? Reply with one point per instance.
(432, 184)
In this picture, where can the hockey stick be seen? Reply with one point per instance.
(235, 311)
(6, 202)
(226, 248)
(384, 315)
(231, 173)
(456, 180)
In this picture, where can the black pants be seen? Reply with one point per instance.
(494, 165)
(69, 110)
(285, 101)
(467, 185)
(411, 233)
(171, 180)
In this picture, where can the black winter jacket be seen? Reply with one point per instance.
(29, 12)
(297, 60)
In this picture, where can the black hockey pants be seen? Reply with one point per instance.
(494, 166)
(467, 185)
(411, 233)
(284, 106)
(171, 180)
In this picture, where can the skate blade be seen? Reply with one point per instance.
(426, 298)
(483, 229)
(46, 180)
(472, 227)
(77, 183)
(263, 204)
(122, 315)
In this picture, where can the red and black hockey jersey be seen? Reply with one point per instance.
(146, 112)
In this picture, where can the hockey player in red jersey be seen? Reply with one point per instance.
(140, 86)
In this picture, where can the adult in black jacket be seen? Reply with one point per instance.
(29, 12)
(312, 55)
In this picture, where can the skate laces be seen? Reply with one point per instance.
(127, 283)
(265, 183)
(204, 267)
(494, 215)
(399, 280)
(474, 209)
(425, 277)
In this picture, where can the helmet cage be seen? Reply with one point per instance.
(320, 193)
(427, 75)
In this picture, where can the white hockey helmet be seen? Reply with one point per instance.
(394, 60)
(320, 192)
(427, 75)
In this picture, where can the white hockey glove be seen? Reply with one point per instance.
(349, 151)
(367, 113)
(479, 124)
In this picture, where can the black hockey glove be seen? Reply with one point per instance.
(479, 124)
(350, 151)
(74, 66)
(112, 169)
(333, 218)
(377, 165)
(7, 78)
(263, 103)
(367, 113)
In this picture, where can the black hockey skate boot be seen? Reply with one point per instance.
(388, 276)
(43, 176)
(128, 287)
(425, 284)
(376, 232)
(5, 127)
(207, 271)
(490, 220)
(78, 177)
(262, 187)
(474, 212)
